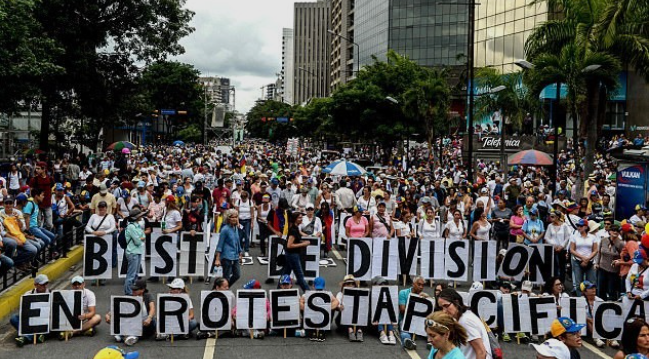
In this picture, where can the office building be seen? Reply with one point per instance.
(216, 88)
(343, 51)
(286, 76)
(312, 50)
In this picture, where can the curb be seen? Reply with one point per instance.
(10, 300)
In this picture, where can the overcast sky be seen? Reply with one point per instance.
(241, 40)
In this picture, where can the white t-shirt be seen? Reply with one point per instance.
(88, 300)
(475, 329)
(583, 246)
(172, 219)
(454, 231)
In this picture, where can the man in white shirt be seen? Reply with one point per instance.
(89, 315)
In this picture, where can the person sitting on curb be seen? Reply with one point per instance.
(89, 316)
(40, 286)
(418, 289)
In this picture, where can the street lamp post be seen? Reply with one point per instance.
(406, 156)
(358, 48)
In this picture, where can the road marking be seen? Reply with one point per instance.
(336, 254)
(413, 354)
(210, 344)
(595, 350)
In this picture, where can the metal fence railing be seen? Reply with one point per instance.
(71, 237)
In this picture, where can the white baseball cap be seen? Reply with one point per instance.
(552, 348)
(177, 283)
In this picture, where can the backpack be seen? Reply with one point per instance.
(121, 239)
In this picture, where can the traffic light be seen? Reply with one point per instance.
(182, 113)
(155, 113)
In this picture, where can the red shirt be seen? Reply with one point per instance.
(46, 184)
(219, 194)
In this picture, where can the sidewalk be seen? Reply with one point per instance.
(10, 299)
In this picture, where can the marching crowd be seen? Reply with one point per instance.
(260, 185)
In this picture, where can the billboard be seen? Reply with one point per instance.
(631, 188)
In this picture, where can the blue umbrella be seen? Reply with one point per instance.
(344, 168)
(179, 143)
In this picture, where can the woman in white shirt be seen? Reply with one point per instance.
(428, 226)
(367, 202)
(245, 208)
(583, 248)
(558, 235)
(101, 223)
(455, 229)
(172, 219)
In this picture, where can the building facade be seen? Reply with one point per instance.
(371, 19)
(343, 51)
(286, 76)
(216, 88)
(312, 50)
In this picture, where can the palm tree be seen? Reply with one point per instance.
(605, 33)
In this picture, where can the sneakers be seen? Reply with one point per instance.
(246, 254)
(352, 337)
(409, 344)
(600, 343)
(90, 332)
(392, 340)
(384, 338)
(522, 337)
(613, 343)
(130, 340)
(259, 334)
(313, 336)
(359, 335)
(202, 335)
(506, 338)
(118, 338)
(40, 338)
(535, 338)
(161, 337)
(321, 336)
(20, 341)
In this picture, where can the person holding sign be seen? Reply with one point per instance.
(295, 246)
(635, 338)
(229, 251)
(355, 334)
(477, 346)
(417, 288)
(138, 289)
(89, 316)
(134, 247)
(177, 286)
(318, 285)
(40, 286)
(446, 335)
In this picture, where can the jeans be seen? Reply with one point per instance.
(46, 216)
(580, 274)
(264, 232)
(294, 264)
(15, 321)
(560, 265)
(38, 243)
(607, 285)
(133, 268)
(404, 336)
(244, 234)
(231, 270)
(43, 234)
(192, 325)
(20, 255)
(6, 263)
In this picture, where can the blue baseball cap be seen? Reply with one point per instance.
(319, 283)
(59, 187)
(564, 325)
(534, 211)
(274, 181)
(21, 197)
(252, 284)
(285, 279)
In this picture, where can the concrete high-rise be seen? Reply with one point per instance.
(216, 88)
(312, 50)
(286, 76)
(343, 51)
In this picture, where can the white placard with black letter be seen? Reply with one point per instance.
(417, 309)
(608, 320)
(172, 311)
(457, 260)
(385, 261)
(214, 242)
(66, 308)
(275, 248)
(311, 258)
(317, 310)
(355, 307)
(433, 253)
(484, 303)
(408, 248)
(127, 314)
(284, 308)
(515, 261)
(97, 257)
(575, 309)
(342, 234)
(543, 310)
(541, 263)
(516, 311)
(216, 307)
(34, 314)
(359, 258)
(385, 304)
(192, 249)
(164, 251)
(484, 265)
(122, 264)
(251, 309)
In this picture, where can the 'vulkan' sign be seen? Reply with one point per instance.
(494, 142)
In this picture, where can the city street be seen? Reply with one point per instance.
(336, 346)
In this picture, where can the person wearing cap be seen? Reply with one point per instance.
(583, 249)
(608, 273)
(124, 204)
(104, 196)
(318, 285)
(177, 287)
(141, 195)
(637, 282)
(274, 191)
(635, 339)
(88, 316)
(640, 214)
(311, 225)
(63, 216)
(41, 283)
(478, 346)
(417, 288)
(551, 349)
(228, 251)
(134, 247)
(43, 181)
(138, 289)
(567, 331)
(533, 228)
(355, 334)
(380, 223)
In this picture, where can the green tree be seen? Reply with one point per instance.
(259, 123)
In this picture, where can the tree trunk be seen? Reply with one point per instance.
(575, 144)
(593, 96)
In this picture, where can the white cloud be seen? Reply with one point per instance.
(239, 39)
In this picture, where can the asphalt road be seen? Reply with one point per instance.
(335, 346)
